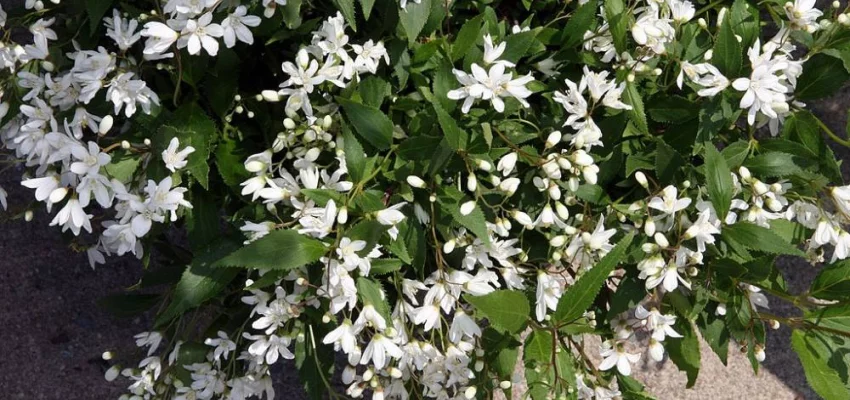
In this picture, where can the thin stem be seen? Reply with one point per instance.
(831, 134)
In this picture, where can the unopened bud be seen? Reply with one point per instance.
(506, 384)
(709, 54)
(471, 183)
(112, 373)
(125, 144)
(105, 125)
(470, 392)
(483, 165)
(288, 123)
(270, 95)
(702, 24)
(553, 139)
(449, 246)
(649, 227)
(342, 217)
(107, 355)
(147, 142)
(641, 178)
(467, 208)
(28, 215)
(47, 66)
(661, 240)
(558, 241)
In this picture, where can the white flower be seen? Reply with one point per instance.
(391, 216)
(269, 348)
(122, 31)
(669, 203)
(668, 277)
(343, 337)
(652, 31)
(369, 55)
(703, 230)
(235, 26)
(159, 37)
(803, 15)
(378, 350)
(492, 54)
(842, 247)
(506, 163)
(463, 326)
(270, 6)
(72, 217)
(841, 198)
(616, 355)
(764, 89)
(682, 10)
(151, 339)
(548, 293)
(492, 85)
(201, 33)
(318, 221)
(174, 159)
(369, 316)
(223, 346)
(89, 162)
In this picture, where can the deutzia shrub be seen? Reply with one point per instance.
(403, 196)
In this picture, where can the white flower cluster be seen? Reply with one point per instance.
(72, 170)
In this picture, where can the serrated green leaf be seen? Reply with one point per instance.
(371, 292)
(815, 356)
(832, 282)
(507, 310)
(122, 167)
(96, 10)
(773, 164)
(618, 22)
(229, 161)
(355, 158)
(713, 329)
(517, 45)
(735, 153)
(822, 76)
(413, 18)
(579, 23)
(280, 249)
(715, 115)
(367, 8)
(668, 163)
(672, 109)
(578, 297)
(456, 137)
(727, 50)
(538, 346)
(369, 122)
(469, 33)
(684, 351)
(200, 281)
(757, 238)
(718, 179)
(631, 96)
(384, 266)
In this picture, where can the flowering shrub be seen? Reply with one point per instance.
(412, 192)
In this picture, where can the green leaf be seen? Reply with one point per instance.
(371, 292)
(815, 357)
(636, 114)
(507, 310)
(203, 223)
(578, 297)
(713, 329)
(822, 76)
(672, 109)
(517, 45)
(123, 166)
(578, 24)
(754, 237)
(346, 7)
(773, 164)
(684, 351)
(718, 180)
(355, 158)
(191, 126)
(369, 122)
(618, 22)
(367, 8)
(96, 9)
(630, 291)
(456, 137)
(222, 83)
(736, 153)
(745, 21)
(128, 304)
(834, 317)
(469, 33)
(668, 163)
(715, 115)
(292, 13)
(413, 19)
(538, 346)
(373, 90)
(832, 282)
(200, 282)
(450, 202)
(229, 161)
(727, 50)
(802, 127)
(280, 249)
(384, 266)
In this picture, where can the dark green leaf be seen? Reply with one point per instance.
(718, 179)
(815, 356)
(369, 122)
(367, 8)
(672, 109)
(371, 292)
(684, 351)
(346, 7)
(631, 96)
(668, 163)
(773, 164)
(578, 297)
(538, 346)
(355, 158)
(280, 249)
(507, 310)
(96, 10)
(618, 22)
(413, 18)
(757, 238)
(191, 126)
(822, 76)
(579, 23)
(833, 282)
(469, 33)
(727, 50)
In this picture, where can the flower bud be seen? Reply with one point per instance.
(415, 181)
(649, 227)
(483, 165)
(449, 246)
(342, 217)
(125, 144)
(843, 19)
(258, 97)
(630, 77)
(4, 109)
(467, 208)
(288, 123)
(58, 194)
(471, 183)
(836, 4)
(708, 55)
(721, 309)
(558, 241)
(326, 318)
(47, 66)
(270, 95)
(553, 139)
(250, 114)
(479, 365)
(506, 384)
(395, 373)
(641, 178)
(562, 210)
(327, 122)
(661, 240)
(105, 125)
(522, 218)
(107, 355)
(147, 142)
(744, 172)
(112, 373)
(28, 215)
(759, 187)
(759, 353)
(702, 24)
(721, 16)
(470, 392)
